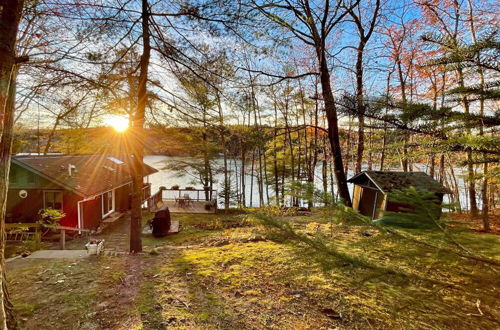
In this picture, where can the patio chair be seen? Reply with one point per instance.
(188, 199)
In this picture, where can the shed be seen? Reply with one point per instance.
(371, 189)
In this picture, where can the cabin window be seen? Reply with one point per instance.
(52, 200)
(107, 203)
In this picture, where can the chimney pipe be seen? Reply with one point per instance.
(71, 167)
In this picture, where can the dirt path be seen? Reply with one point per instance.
(116, 307)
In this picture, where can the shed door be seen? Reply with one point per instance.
(367, 201)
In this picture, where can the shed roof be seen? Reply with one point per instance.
(91, 174)
(387, 181)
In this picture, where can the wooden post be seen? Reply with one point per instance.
(63, 239)
(38, 237)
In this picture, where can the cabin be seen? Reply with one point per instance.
(88, 188)
(371, 189)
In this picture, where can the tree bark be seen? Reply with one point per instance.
(10, 16)
(333, 131)
(360, 107)
(484, 187)
(5, 158)
(137, 136)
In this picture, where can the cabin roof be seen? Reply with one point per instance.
(387, 181)
(91, 174)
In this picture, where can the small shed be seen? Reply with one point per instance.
(371, 189)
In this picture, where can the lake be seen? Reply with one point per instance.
(169, 178)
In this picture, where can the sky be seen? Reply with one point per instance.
(62, 30)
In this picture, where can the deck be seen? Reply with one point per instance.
(194, 207)
(192, 201)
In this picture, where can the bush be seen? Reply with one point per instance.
(50, 216)
(423, 209)
(175, 187)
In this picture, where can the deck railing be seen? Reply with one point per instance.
(146, 191)
(197, 195)
(152, 201)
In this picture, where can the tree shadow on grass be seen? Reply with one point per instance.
(183, 300)
(397, 276)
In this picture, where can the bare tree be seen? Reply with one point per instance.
(364, 35)
(312, 23)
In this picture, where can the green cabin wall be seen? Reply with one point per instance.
(21, 178)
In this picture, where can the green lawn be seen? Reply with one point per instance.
(234, 272)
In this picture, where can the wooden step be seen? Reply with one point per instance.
(113, 217)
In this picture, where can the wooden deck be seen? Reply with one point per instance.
(194, 207)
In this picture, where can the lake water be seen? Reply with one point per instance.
(168, 178)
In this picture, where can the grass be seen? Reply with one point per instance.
(233, 272)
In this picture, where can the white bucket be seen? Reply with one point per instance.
(94, 248)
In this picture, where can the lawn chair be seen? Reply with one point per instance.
(187, 199)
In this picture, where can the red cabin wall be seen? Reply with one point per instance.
(70, 208)
(24, 209)
(122, 198)
(92, 213)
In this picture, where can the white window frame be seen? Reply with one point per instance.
(54, 190)
(104, 215)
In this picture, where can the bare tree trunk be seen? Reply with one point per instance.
(5, 157)
(242, 174)
(251, 178)
(370, 153)
(222, 131)
(275, 157)
(484, 187)
(10, 16)
(333, 129)
(360, 106)
(138, 136)
(348, 147)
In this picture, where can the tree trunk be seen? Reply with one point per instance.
(333, 129)
(251, 178)
(10, 16)
(484, 187)
(242, 174)
(138, 136)
(360, 107)
(5, 158)
(275, 157)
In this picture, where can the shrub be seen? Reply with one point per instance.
(50, 216)
(422, 209)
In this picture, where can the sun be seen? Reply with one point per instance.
(119, 123)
